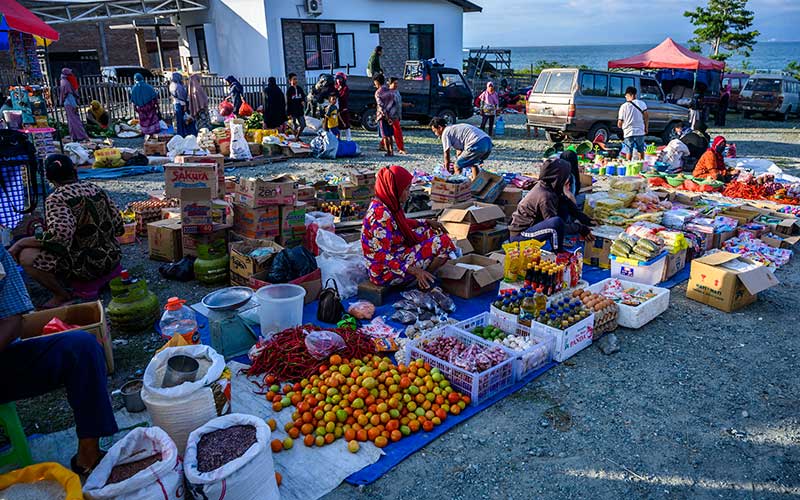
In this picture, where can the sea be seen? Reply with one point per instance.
(765, 55)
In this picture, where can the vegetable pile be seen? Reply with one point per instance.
(286, 356)
(365, 399)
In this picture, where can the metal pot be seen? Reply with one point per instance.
(131, 392)
(180, 369)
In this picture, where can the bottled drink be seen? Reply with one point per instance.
(527, 311)
(179, 319)
(540, 299)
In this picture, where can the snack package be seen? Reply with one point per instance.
(511, 262)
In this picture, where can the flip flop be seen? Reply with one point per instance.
(83, 472)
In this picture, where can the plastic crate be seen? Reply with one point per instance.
(479, 386)
(526, 361)
(570, 341)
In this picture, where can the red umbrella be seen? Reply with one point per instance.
(668, 55)
(18, 18)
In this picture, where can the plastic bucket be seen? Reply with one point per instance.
(281, 307)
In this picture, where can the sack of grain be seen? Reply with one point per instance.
(45, 481)
(144, 465)
(230, 457)
(181, 409)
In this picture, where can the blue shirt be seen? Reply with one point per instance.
(14, 298)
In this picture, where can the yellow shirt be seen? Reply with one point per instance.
(332, 116)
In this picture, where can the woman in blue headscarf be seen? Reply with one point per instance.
(184, 123)
(235, 91)
(145, 100)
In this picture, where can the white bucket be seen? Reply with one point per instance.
(281, 307)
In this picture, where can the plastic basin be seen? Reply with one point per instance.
(280, 307)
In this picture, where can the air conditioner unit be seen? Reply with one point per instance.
(314, 7)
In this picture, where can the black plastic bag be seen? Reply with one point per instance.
(290, 264)
(137, 159)
(183, 270)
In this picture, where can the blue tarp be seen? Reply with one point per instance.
(115, 173)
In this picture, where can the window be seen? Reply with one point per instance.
(420, 42)
(650, 90)
(618, 84)
(560, 82)
(374, 28)
(451, 79)
(319, 44)
(541, 82)
(763, 85)
(594, 84)
(346, 47)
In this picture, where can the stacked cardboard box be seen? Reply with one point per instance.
(244, 264)
(445, 194)
(256, 223)
(215, 159)
(477, 222)
(179, 176)
(487, 187)
(292, 224)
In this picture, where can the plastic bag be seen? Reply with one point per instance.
(161, 480)
(49, 471)
(325, 145)
(361, 309)
(240, 150)
(404, 316)
(314, 222)
(323, 343)
(290, 264)
(341, 261)
(443, 300)
(245, 109)
(55, 325)
(108, 158)
(76, 153)
(225, 108)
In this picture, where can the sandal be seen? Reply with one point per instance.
(83, 472)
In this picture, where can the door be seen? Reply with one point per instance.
(552, 96)
(198, 51)
(451, 92)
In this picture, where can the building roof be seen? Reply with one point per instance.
(467, 6)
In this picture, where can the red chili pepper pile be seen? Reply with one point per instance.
(285, 355)
(738, 189)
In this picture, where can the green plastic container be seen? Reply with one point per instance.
(212, 264)
(133, 308)
(674, 181)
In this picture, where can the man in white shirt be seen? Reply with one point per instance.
(633, 121)
(471, 143)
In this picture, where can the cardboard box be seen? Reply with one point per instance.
(354, 192)
(216, 159)
(363, 178)
(598, 252)
(464, 218)
(743, 214)
(486, 241)
(243, 265)
(705, 232)
(256, 223)
(196, 211)
(777, 241)
(292, 224)
(90, 317)
(257, 192)
(788, 226)
(450, 192)
(326, 192)
(727, 281)
(306, 193)
(722, 237)
(487, 187)
(180, 176)
(164, 239)
(312, 283)
(510, 196)
(155, 148)
(470, 276)
(675, 264)
(465, 246)
(191, 242)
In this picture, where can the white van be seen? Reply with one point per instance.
(771, 95)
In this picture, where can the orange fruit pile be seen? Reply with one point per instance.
(368, 399)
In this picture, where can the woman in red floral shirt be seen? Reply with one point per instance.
(399, 250)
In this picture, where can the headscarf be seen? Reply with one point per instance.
(96, 109)
(490, 98)
(275, 106)
(554, 175)
(73, 80)
(177, 88)
(142, 92)
(572, 158)
(66, 87)
(198, 99)
(727, 90)
(718, 143)
(234, 84)
(389, 185)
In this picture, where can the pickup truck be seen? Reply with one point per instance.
(428, 91)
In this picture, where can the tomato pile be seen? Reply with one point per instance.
(367, 399)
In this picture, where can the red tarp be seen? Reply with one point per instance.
(668, 55)
(19, 18)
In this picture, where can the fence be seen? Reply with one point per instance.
(115, 96)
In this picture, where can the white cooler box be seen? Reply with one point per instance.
(646, 273)
(637, 317)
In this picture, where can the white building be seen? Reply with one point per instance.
(307, 37)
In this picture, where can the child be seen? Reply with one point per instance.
(331, 121)
(344, 99)
(398, 115)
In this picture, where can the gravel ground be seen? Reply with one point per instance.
(698, 403)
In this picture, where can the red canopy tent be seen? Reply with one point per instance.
(18, 18)
(668, 55)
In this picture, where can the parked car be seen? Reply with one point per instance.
(737, 81)
(771, 95)
(124, 73)
(576, 103)
(436, 91)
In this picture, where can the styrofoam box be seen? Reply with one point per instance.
(646, 273)
(637, 317)
(479, 386)
(570, 341)
(526, 361)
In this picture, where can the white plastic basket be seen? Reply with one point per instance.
(479, 386)
(526, 361)
(638, 316)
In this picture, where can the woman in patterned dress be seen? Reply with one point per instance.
(80, 241)
(145, 100)
(399, 250)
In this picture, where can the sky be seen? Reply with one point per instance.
(515, 23)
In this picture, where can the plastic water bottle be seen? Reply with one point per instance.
(179, 319)
(500, 126)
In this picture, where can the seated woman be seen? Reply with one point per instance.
(80, 241)
(399, 250)
(712, 164)
(545, 212)
(97, 115)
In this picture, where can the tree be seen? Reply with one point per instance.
(794, 68)
(723, 24)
